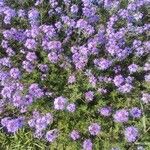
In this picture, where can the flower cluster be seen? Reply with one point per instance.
(83, 61)
(40, 122)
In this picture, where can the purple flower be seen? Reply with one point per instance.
(102, 64)
(60, 103)
(135, 112)
(89, 96)
(40, 122)
(53, 57)
(12, 125)
(147, 78)
(74, 9)
(145, 98)
(133, 68)
(147, 67)
(105, 111)
(31, 56)
(31, 44)
(126, 88)
(118, 80)
(131, 134)
(94, 129)
(71, 107)
(75, 135)
(35, 91)
(17, 100)
(121, 115)
(87, 144)
(21, 13)
(28, 66)
(43, 67)
(31, 123)
(54, 45)
(38, 2)
(33, 14)
(71, 79)
(51, 135)
(15, 73)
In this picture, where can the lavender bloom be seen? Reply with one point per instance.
(102, 64)
(118, 80)
(71, 79)
(145, 98)
(75, 135)
(87, 144)
(89, 11)
(4, 44)
(43, 67)
(2, 3)
(89, 96)
(54, 45)
(5, 61)
(51, 135)
(92, 80)
(28, 99)
(147, 67)
(129, 79)
(102, 90)
(105, 111)
(33, 16)
(133, 68)
(60, 103)
(31, 56)
(12, 125)
(135, 112)
(71, 107)
(126, 88)
(17, 100)
(9, 14)
(30, 44)
(38, 134)
(131, 134)
(94, 129)
(31, 123)
(53, 57)
(21, 13)
(121, 115)
(28, 66)
(15, 73)
(38, 2)
(35, 91)
(40, 122)
(147, 78)
(74, 9)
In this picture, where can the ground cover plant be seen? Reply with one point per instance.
(74, 74)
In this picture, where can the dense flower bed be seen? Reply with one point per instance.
(76, 71)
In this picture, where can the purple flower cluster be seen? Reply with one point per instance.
(131, 134)
(51, 135)
(97, 56)
(89, 96)
(12, 124)
(40, 122)
(75, 135)
(60, 103)
(94, 129)
(121, 115)
(87, 145)
(105, 111)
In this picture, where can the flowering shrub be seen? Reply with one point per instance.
(74, 74)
